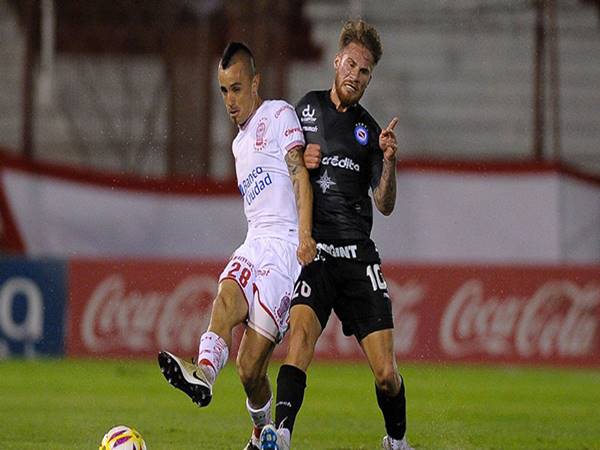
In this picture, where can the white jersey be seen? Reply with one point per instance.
(259, 150)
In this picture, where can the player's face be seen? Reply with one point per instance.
(353, 70)
(239, 90)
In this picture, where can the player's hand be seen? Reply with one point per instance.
(387, 141)
(307, 250)
(312, 156)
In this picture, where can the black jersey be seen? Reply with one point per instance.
(351, 162)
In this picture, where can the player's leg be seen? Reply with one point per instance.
(268, 321)
(389, 387)
(305, 330)
(366, 312)
(229, 309)
(308, 316)
(252, 362)
(196, 380)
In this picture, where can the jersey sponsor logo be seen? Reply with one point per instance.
(361, 134)
(261, 131)
(282, 109)
(344, 251)
(311, 129)
(244, 260)
(308, 115)
(342, 163)
(292, 131)
(254, 184)
(325, 182)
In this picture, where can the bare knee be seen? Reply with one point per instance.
(387, 379)
(305, 329)
(224, 302)
(302, 338)
(226, 312)
(301, 347)
(250, 375)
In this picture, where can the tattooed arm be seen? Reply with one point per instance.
(304, 198)
(385, 193)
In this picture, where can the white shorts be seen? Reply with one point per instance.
(266, 270)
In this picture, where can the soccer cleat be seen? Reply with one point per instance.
(254, 442)
(186, 377)
(251, 446)
(273, 439)
(394, 444)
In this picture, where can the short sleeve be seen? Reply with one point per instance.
(289, 130)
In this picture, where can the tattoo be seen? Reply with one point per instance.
(293, 160)
(302, 190)
(385, 193)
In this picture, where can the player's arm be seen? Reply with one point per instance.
(384, 194)
(307, 248)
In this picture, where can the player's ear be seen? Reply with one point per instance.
(255, 83)
(336, 61)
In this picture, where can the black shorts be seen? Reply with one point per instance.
(354, 289)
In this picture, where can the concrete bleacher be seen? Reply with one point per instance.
(458, 74)
(11, 69)
(461, 79)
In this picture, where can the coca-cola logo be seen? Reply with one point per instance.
(117, 318)
(560, 319)
(406, 299)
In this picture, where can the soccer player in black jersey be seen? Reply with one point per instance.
(354, 155)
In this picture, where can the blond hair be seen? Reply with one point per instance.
(362, 33)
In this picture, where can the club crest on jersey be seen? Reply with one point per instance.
(261, 132)
(361, 134)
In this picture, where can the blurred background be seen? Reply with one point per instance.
(117, 184)
(130, 86)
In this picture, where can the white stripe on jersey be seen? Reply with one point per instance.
(263, 179)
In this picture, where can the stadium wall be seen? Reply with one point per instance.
(450, 212)
(516, 314)
(484, 263)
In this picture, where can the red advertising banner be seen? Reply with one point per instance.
(137, 308)
(503, 314)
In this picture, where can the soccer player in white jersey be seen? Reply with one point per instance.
(256, 286)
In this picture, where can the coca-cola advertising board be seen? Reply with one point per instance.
(136, 308)
(503, 314)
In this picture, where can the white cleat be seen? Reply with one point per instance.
(273, 439)
(254, 442)
(186, 377)
(251, 445)
(395, 444)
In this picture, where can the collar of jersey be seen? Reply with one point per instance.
(249, 119)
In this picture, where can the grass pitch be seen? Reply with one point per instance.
(70, 404)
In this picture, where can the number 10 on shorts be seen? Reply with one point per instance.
(376, 277)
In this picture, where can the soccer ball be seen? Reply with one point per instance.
(122, 437)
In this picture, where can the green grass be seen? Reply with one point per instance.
(70, 404)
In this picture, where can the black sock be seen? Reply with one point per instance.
(291, 383)
(394, 412)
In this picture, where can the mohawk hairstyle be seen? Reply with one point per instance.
(232, 49)
(364, 34)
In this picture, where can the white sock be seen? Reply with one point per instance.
(212, 354)
(261, 416)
